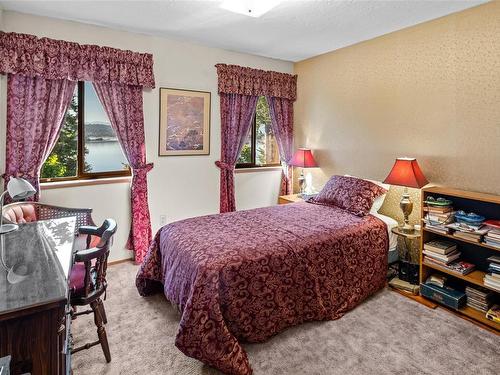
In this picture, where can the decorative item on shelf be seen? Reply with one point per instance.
(17, 188)
(406, 172)
(304, 158)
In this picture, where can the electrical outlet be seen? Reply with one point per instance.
(163, 220)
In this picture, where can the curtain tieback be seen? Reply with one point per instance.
(224, 166)
(143, 169)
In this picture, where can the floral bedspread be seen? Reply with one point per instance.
(245, 276)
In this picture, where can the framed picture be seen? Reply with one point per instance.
(184, 122)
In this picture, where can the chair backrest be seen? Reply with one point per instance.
(25, 212)
(96, 262)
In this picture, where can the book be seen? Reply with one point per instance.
(494, 259)
(493, 235)
(460, 267)
(478, 292)
(492, 223)
(446, 258)
(494, 266)
(438, 209)
(436, 227)
(467, 228)
(468, 236)
(440, 247)
(491, 284)
(492, 277)
(494, 313)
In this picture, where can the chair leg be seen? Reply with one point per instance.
(101, 331)
(103, 311)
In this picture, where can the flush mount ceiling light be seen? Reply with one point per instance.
(252, 8)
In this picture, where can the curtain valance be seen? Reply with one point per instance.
(57, 59)
(234, 79)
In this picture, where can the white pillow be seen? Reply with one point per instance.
(379, 201)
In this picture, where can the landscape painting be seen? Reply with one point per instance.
(184, 122)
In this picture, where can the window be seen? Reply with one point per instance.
(87, 146)
(260, 148)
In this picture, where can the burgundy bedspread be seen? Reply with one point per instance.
(247, 275)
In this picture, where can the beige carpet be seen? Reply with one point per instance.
(388, 334)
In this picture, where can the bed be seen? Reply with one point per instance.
(245, 276)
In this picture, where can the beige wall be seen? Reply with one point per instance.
(179, 187)
(431, 91)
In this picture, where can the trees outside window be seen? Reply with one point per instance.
(260, 148)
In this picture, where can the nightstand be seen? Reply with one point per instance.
(292, 198)
(408, 271)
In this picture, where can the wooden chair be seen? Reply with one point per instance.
(27, 212)
(88, 281)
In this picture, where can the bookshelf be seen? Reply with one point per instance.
(487, 205)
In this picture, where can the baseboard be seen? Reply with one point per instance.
(114, 262)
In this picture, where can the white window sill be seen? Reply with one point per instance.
(77, 183)
(257, 169)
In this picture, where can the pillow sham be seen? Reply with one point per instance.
(349, 193)
(379, 201)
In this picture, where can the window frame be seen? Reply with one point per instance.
(80, 173)
(253, 143)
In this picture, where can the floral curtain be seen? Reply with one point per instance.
(35, 111)
(42, 76)
(234, 79)
(280, 90)
(281, 111)
(123, 105)
(237, 112)
(57, 59)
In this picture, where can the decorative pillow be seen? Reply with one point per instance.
(379, 201)
(349, 193)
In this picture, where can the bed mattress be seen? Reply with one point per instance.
(393, 255)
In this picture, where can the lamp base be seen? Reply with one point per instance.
(407, 228)
(7, 228)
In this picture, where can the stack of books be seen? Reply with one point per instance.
(492, 278)
(438, 216)
(467, 231)
(445, 255)
(478, 298)
(492, 237)
(493, 314)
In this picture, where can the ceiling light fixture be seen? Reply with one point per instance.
(252, 8)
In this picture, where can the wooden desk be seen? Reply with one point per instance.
(34, 270)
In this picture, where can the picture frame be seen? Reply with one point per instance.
(184, 128)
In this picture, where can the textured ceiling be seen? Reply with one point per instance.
(294, 30)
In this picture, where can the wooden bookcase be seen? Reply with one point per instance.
(487, 205)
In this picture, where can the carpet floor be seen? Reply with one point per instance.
(387, 334)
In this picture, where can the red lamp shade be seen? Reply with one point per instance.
(406, 172)
(303, 158)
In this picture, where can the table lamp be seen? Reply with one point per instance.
(303, 158)
(18, 188)
(406, 172)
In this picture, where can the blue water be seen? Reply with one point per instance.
(105, 156)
